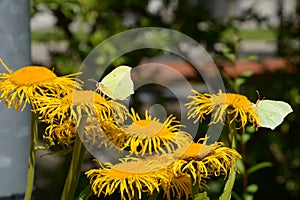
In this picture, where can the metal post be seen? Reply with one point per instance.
(14, 127)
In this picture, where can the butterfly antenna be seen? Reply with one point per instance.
(258, 95)
(92, 80)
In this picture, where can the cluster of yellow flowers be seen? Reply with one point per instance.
(175, 163)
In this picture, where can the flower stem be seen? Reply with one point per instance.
(245, 174)
(232, 131)
(195, 188)
(233, 134)
(74, 170)
(31, 159)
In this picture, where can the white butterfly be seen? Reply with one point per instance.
(117, 84)
(271, 113)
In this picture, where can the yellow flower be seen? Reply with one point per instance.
(93, 134)
(62, 133)
(130, 178)
(28, 83)
(180, 184)
(77, 104)
(96, 133)
(150, 135)
(237, 106)
(178, 187)
(201, 161)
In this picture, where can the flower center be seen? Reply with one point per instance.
(129, 169)
(234, 100)
(197, 150)
(146, 128)
(32, 75)
(86, 97)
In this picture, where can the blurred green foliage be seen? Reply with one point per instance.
(97, 20)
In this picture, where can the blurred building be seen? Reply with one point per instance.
(268, 9)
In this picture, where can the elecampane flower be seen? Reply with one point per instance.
(92, 134)
(237, 106)
(77, 104)
(61, 133)
(25, 85)
(178, 187)
(202, 161)
(150, 135)
(97, 133)
(129, 178)
(180, 184)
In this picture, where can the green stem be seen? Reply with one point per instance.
(245, 174)
(232, 132)
(31, 159)
(74, 170)
(195, 188)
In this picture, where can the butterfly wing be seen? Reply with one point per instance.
(271, 113)
(118, 84)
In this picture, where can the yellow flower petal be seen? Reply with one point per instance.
(179, 186)
(237, 106)
(149, 135)
(77, 104)
(201, 161)
(96, 133)
(130, 178)
(27, 84)
(63, 133)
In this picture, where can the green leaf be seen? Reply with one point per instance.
(251, 190)
(226, 195)
(240, 166)
(225, 50)
(239, 81)
(85, 193)
(247, 74)
(201, 196)
(230, 56)
(42, 148)
(228, 53)
(245, 137)
(259, 166)
(251, 57)
(250, 129)
(235, 196)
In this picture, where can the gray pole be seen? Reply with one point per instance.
(14, 127)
